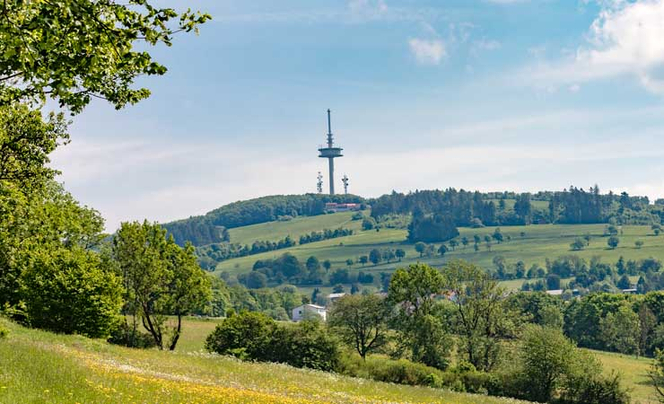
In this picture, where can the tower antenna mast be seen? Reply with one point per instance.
(345, 181)
(319, 183)
(330, 152)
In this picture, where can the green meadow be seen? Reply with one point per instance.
(41, 367)
(531, 244)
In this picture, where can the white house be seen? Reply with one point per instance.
(333, 297)
(307, 310)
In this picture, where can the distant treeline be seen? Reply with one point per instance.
(464, 208)
(203, 230)
(326, 234)
(209, 255)
(198, 232)
(571, 206)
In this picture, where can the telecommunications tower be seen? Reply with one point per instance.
(345, 181)
(330, 152)
(319, 183)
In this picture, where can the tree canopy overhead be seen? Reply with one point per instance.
(73, 50)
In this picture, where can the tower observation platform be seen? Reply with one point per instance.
(330, 152)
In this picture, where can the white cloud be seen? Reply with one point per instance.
(367, 5)
(484, 45)
(427, 52)
(625, 39)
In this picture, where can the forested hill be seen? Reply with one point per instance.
(211, 227)
(476, 209)
(463, 208)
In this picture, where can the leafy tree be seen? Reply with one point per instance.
(26, 140)
(620, 331)
(578, 244)
(624, 282)
(338, 288)
(375, 256)
(327, 265)
(453, 244)
(420, 247)
(552, 282)
(400, 254)
(160, 278)
(413, 291)
(361, 321)
(255, 280)
(71, 291)
(464, 241)
(442, 250)
(365, 259)
(547, 357)
(497, 235)
(349, 262)
(431, 229)
(638, 244)
(246, 335)
(78, 49)
(368, 223)
(613, 242)
(480, 312)
(312, 264)
(339, 276)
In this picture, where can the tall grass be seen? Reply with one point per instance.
(40, 367)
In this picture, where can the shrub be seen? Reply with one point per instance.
(68, 291)
(254, 336)
(125, 335)
(594, 390)
(399, 371)
(246, 335)
(305, 345)
(3, 332)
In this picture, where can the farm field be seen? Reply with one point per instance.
(531, 244)
(37, 366)
(275, 231)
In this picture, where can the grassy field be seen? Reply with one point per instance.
(634, 372)
(40, 367)
(274, 231)
(538, 243)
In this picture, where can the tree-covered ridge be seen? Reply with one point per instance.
(200, 229)
(570, 206)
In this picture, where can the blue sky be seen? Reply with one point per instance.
(522, 95)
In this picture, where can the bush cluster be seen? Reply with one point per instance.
(254, 336)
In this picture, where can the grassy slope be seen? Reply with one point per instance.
(539, 243)
(275, 231)
(633, 370)
(40, 367)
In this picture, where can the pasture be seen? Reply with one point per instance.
(530, 244)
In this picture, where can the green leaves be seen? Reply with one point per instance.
(74, 50)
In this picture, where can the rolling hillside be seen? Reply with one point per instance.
(531, 244)
(277, 230)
